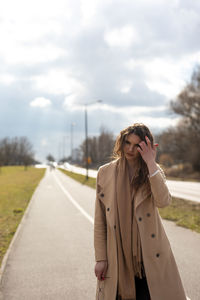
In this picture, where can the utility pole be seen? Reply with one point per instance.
(72, 125)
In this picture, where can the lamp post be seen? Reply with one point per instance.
(86, 135)
(72, 125)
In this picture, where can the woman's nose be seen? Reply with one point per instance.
(131, 147)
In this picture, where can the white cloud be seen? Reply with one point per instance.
(44, 142)
(26, 10)
(132, 110)
(88, 10)
(121, 37)
(126, 86)
(31, 55)
(157, 123)
(7, 79)
(72, 103)
(169, 77)
(58, 81)
(165, 75)
(40, 102)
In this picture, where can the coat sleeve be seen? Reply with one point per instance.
(100, 228)
(159, 189)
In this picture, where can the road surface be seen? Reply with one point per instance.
(52, 255)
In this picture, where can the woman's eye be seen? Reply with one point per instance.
(138, 146)
(127, 142)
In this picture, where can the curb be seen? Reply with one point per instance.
(5, 258)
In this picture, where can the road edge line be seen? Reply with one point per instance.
(71, 199)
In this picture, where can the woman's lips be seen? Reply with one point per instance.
(131, 154)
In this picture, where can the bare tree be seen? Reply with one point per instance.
(99, 148)
(16, 151)
(182, 142)
(105, 145)
(187, 103)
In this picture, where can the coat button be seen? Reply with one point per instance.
(140, 219)
(108, 209)
(157, 254)
(102, 194)
(148, 214)
(153, 235)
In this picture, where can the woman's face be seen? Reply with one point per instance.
(130, 147)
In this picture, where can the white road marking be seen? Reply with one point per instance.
(71, 199)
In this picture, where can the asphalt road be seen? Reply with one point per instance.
(52, 255)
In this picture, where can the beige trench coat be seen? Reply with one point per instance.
(162, 274)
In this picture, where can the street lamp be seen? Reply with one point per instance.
(72, 125)
(86, 134)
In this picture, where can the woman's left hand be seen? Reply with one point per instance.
(147, 152)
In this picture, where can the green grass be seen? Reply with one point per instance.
(16, 188)
(184, 213)
(81, 178)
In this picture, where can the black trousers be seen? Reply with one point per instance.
(142, 290)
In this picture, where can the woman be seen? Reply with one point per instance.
(134, 260)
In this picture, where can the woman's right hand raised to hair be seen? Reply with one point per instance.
(101, 269)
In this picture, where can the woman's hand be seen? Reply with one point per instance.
(101, 269)
(148, 154)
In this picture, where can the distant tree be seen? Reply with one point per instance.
(182, 141)
(16, 151)
(99, 148)
(50, 158)
(105, 145)
(166, 160)
(26, 155)
(187, 103)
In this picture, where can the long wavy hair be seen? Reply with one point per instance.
(141, 131)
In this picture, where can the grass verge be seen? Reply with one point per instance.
(80, 178)
(184, 213)
(16, 188)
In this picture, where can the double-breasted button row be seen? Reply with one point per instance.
(140, 218)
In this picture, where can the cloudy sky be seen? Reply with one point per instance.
(58, 55)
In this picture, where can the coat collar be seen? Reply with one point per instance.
(109, 184)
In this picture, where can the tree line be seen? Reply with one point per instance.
(99, 148)
(180, 144)
(16, 151)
